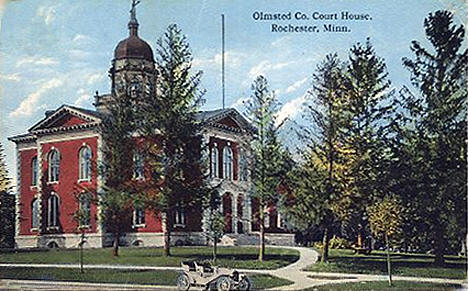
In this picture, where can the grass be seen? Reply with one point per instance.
(383, 286)
(232, 257)
(147, 277)
(415, 265)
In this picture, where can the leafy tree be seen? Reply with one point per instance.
(434, 132)
(267, 152)
(367, 108)
(385, 218)
(168, 117)
(214, 223)
(7, 207)
(321, 178)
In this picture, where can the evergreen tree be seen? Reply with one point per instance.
(434, 134)
(7, 207)
(367, 107)
(267, 152)
(168, 117)
(117, 128)
(323, 170)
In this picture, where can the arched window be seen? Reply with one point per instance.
(85, 163)
(138, 166)
(228, 162)
(34, 172)
(54, 165)
(243, 173)
(53, 211)
(214, 162)
(85, 210)
(35, 213)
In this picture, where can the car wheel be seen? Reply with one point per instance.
(223, 283)
(183, 282)
(244, 284)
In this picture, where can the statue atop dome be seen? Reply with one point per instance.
(133, 24)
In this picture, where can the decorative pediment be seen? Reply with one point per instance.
(227, 119)
(66, 117)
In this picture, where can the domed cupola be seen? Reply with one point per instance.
(133, 46)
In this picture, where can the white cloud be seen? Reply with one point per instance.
(296, 85)
(36, 60)
(231, 58)
(266, 66)
(83, 97)
(47, 13)
(79, 54)
(281, 42)
(93, 78)
(81, 38)
(291, 109)
(29, 105)
(10, 77)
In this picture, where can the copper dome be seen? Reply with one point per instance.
(133, 47)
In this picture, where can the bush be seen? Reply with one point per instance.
(339, 243)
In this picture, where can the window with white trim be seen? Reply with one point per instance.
(228, 162)
(179, 215)
(138, 166)
(85, 163)
(266, 217)
(214, 162)
(138, 216)
(279, 220)
(53, 211)
(34, 171)
(35, 213)
(85, 210)
(243, 173)
(53, 169)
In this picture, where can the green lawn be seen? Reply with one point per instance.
(383, 286)
(416, 265)
(234, 257)
(167, 278)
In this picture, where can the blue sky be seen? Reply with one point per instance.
(55, 52)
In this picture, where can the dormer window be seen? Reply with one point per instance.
(228, 163)
(53, 160)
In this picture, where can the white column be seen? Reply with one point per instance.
(234, 212)
(100, 184)
(18, 193)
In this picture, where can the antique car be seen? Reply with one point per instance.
(205, 275)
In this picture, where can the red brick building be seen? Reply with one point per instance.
(58, 156)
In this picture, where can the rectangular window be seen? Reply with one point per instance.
(138, 166)
(179, 216)
(139, 217)
(34, 172)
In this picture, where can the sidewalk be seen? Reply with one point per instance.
(293, 272)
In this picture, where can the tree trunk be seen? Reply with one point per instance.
(439, 245)
(326, 243)
(81, 251)
(261, 254)
(215, 249)
(389, 266)
(115, 251)
(166, 234)
(359, 237)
